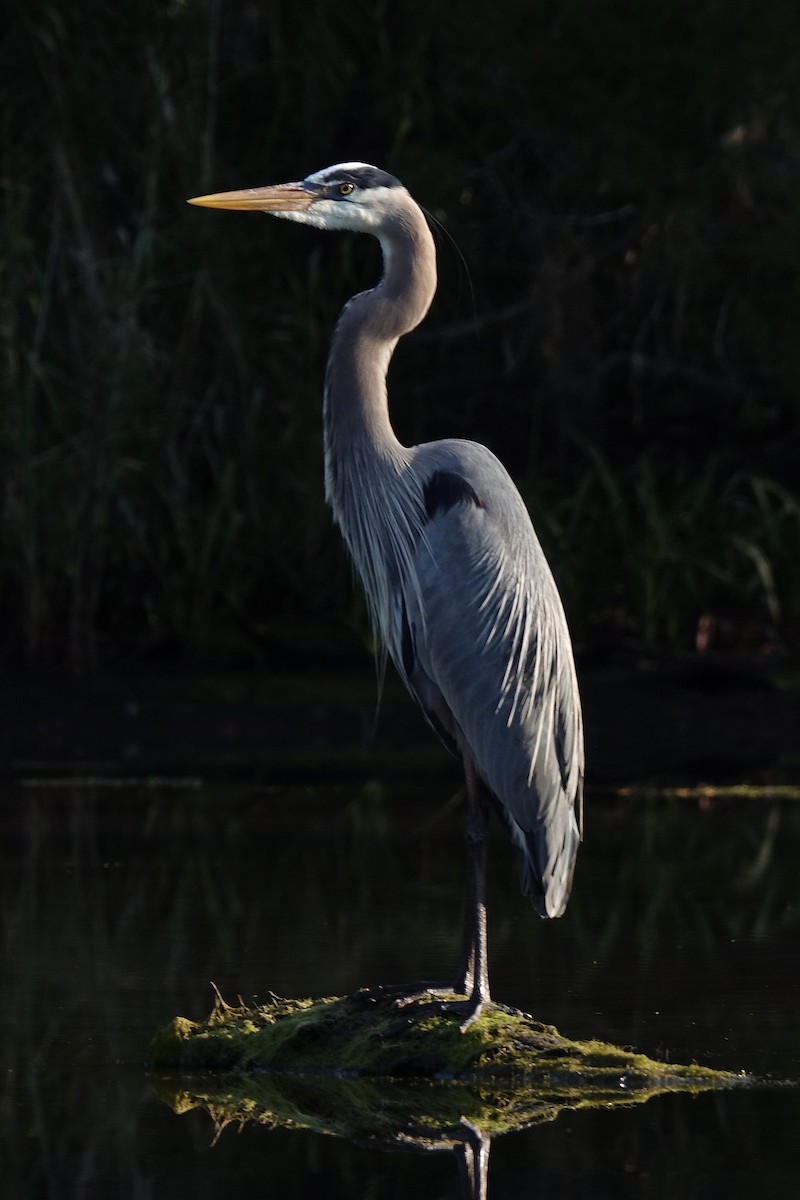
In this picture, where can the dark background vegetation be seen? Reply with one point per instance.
(623, 181)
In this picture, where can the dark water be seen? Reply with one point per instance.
(121, 904)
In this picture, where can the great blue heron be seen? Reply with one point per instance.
(458, 588)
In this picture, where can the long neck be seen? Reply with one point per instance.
(373, 499)
(356, 415)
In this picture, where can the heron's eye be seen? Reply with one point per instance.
(346, 188)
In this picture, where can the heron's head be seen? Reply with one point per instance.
(348, 196)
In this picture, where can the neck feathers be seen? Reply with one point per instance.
(356, 412)
(366, 482)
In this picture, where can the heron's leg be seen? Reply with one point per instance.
(473, 1160)
(473, 978)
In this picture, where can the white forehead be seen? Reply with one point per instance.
(362, 176)
(334, 172)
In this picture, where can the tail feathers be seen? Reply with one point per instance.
(547, 865)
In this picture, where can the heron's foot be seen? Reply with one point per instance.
(402, 994)
(434, 997)
(473, 1008)
(446, 1000)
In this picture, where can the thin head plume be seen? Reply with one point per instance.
(438, 227)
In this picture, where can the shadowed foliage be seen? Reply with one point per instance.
(624, 189)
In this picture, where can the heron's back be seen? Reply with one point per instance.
(483, 634)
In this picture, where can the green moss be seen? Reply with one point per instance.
(367, 1035)
(358, 1067)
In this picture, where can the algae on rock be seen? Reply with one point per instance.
(406, 1078)
(366, 1034)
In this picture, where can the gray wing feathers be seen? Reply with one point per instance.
(490, 637)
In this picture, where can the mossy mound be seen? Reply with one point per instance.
(366, 1035)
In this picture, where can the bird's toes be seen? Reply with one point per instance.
(473, 1011)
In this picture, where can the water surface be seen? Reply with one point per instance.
(121, 903)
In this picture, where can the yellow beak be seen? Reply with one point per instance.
(281, 197)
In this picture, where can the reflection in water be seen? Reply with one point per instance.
(421, 1116)
(120, 905)
(317, 1103)
(473, 1162)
